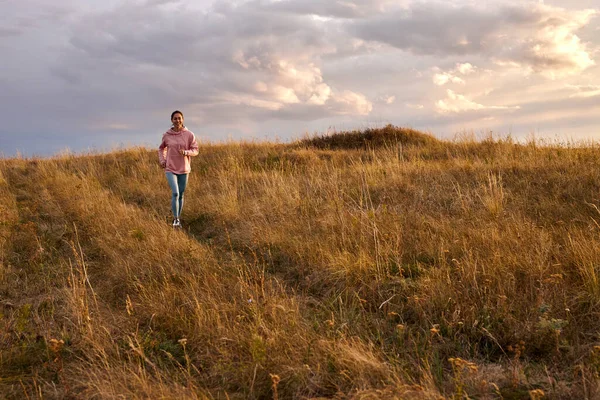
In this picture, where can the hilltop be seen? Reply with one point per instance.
(382, 263)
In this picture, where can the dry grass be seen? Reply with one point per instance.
(376, 264)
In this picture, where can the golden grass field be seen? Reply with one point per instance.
(381, 264)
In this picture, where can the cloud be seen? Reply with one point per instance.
(8, 32)
(584, 91)
(336, 8)
(385, 99)
(555, 50)
(284, 83)
(350, 103)
(465, 68)
(162, 2)
(537, 36)
(250, 54)
(441, 78)
(114, 126)
(19, 17)
(457, 103)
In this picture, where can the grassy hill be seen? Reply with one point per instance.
(374, 264)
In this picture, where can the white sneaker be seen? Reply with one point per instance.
(176, 223)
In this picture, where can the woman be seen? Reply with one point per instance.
(174, 154)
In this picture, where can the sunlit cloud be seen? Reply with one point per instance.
(585, 91)
(532, 35)
(350, 103)
(465, 68)
(555, 50)
(386, 99)
(457, 103)
(440, 78)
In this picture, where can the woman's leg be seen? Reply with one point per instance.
(172, 179)
(182, 183)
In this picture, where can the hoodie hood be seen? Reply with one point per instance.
(172, 132)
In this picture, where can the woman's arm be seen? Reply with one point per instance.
(162, 158)
(193, 147)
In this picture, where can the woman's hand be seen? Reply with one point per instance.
(182, 152)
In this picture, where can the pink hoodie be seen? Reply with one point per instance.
(168, 151)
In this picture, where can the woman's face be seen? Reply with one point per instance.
(177, 121)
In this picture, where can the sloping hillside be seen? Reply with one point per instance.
(376, 264)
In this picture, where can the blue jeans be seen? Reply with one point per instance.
(177, 182)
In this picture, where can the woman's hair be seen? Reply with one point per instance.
(176, 112)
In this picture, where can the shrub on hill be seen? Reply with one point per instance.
(370, 138)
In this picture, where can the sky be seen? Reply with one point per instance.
(102, 74)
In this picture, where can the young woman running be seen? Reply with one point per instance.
(177, 148)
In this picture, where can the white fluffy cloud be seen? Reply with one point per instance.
(284, 84)
(457, 103)
(440, 78)
(465, 68)
(554, 49)
(348, 100)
